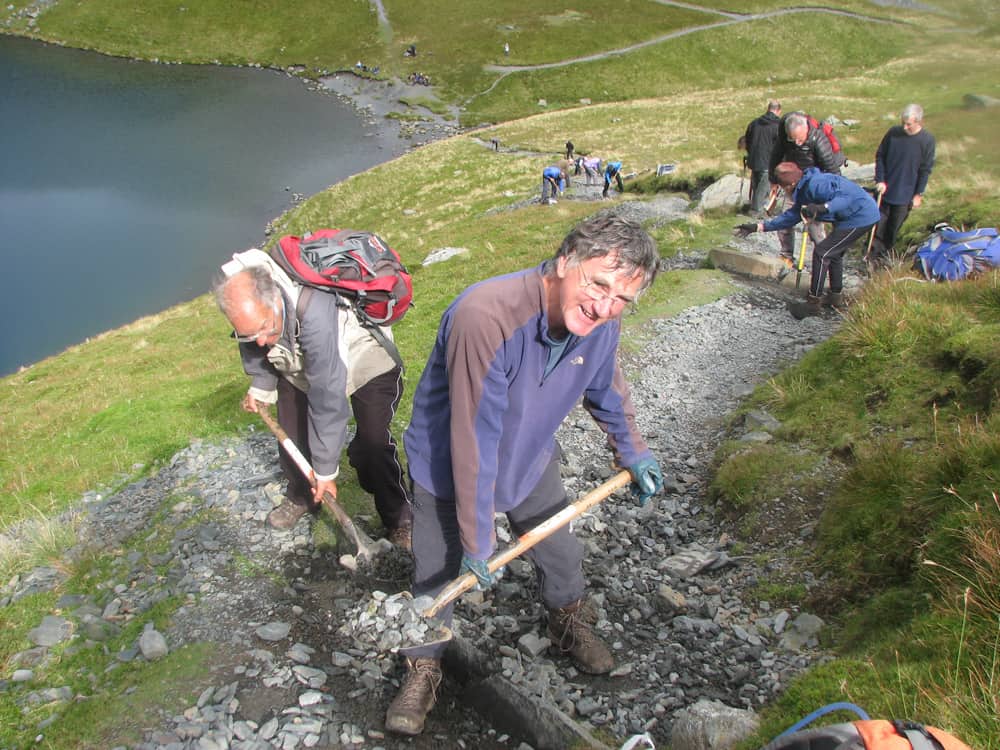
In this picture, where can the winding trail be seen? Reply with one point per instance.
(731, 19)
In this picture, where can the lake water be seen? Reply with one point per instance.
(124, 185)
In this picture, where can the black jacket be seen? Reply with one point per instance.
(815, 152)
(761, 136)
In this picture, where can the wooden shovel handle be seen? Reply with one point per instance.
(363, 542)
(463, 583)
(871, 239)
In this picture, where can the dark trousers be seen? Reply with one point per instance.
(760, 189)
(437, 547)
(550, 188)
(618, 181)
(828, 258)
(372, 453)
(786, 238)
(890, 221)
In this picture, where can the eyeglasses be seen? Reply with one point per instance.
(599, 291)
(268, 329)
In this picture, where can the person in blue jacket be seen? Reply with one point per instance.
(821, 196)
(553, 183)
(612, 171)
(514, 355)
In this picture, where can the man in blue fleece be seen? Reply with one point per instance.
(553, 183)
(612, 171)
(821, 196)
(514, 355)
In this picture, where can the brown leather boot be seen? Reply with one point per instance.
(401, 536)
(805, 309)
(286, 515)
(833, 299)
(572, 635)
(416, 696)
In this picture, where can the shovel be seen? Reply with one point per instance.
(871, 239)
(416, 623)
(367, 548)
(801, 262)
(465, 582)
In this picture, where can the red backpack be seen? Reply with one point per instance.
(827, 129)
(359, 266)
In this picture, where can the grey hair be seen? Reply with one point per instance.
(595, 238)
(794, 121)
(262, 287)
(774, 106)
(914, 111)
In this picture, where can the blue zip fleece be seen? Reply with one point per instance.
(485, 414)
(848, 205)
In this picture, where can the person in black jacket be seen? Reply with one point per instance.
(903, 164)
(760, 137)
(805, 145)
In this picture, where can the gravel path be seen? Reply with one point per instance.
(665, 590)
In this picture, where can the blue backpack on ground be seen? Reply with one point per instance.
(949, 254)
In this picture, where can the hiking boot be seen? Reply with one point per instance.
(833, 299)
(806, 309)
(416, 696)
(286, 515)
(401, 536)
(572, 635)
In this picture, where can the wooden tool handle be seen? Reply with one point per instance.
(597, 495)
(363, 542)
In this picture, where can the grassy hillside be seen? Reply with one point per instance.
(901, 400)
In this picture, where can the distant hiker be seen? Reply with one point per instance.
(411, 51)
(806, 145)
(612, 171)
(821, 197)
(759, 139)
(311, 356)
(591, 167)
(513, 357)
(553, 183)
(495, 142)
(506, 49)
(903, 164)
(569, 150)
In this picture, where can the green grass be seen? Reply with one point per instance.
(898, 406)
(908, 540)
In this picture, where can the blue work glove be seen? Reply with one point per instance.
(813, 211)
(479, 570)
(647, 479)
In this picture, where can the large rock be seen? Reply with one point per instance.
(747, 264)
(860, 173)
(729, 192)
(710, 725)
(508, 707)
(978, 101)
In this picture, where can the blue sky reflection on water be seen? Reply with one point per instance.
(124, 185)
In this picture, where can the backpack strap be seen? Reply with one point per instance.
(379, 336)
(305, 295)
(919, 738)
